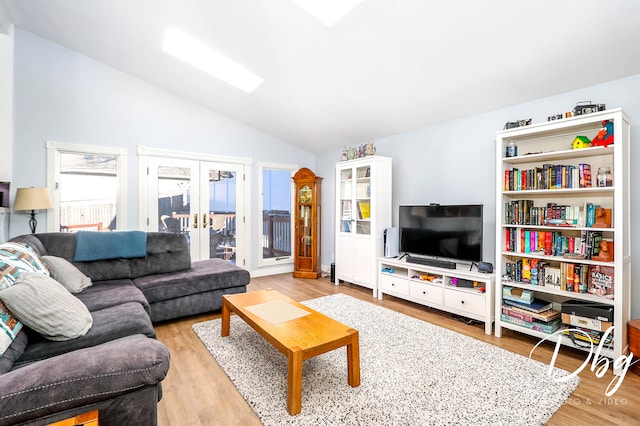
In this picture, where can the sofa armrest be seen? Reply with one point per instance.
(85, 376)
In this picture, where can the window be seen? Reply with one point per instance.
(88, 187)
(275, 209)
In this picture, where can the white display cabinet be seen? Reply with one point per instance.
(363, 211)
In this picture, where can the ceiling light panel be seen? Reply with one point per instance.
(198, 54)
(327, 11)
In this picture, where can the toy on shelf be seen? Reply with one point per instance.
(581, 142)
(587, 107)
(604, 136)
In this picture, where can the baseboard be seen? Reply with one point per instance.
(272, 270)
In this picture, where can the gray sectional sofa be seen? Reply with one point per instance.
(118, 365)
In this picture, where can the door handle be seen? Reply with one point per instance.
(204, 220)
(195, 220)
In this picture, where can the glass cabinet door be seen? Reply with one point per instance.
(346, 201)
(355, 200)
(363, 200)
(305, 200)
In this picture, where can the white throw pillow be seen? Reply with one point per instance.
(66, 273)
(44, 305)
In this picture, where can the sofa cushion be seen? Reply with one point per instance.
(44, 305)
(66, 273)
(110, 323)
(32, 241)
(204, 275)
(166, 252)
(104, 294)
(107, 377)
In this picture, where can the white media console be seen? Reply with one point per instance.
(460, 291)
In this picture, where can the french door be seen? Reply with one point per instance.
(202, 200)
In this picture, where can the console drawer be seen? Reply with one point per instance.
(393, 284)
(465, 301)
(429, 293)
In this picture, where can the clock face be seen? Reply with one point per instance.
(304, 194)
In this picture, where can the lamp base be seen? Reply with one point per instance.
(33, 222)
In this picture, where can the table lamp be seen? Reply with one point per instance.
(32, 199)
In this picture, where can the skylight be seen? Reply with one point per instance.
(201, 56)
(327, 11)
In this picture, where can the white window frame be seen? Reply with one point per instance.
(55, 149)
(274, 166)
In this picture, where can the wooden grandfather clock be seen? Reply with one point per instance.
(306, 260)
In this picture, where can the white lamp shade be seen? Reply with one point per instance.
(32, 199)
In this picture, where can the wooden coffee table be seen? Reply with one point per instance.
(308, 334)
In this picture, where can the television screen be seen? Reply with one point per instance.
(451, 232)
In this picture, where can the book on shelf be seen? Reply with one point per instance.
(587, 214)
(545, 316)
(364, 210)
(536, 305)
(581, 336)
(549, 176)
(601, 280)
(364, 172)
(517, 294)
(584, 175)
(583, 322)
(346, 209)
(346, 190)
(544, 327)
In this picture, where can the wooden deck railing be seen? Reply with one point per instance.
(81, 227)
(276, 231)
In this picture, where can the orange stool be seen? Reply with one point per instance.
(633, 335)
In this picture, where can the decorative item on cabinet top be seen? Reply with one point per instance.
(363, 150)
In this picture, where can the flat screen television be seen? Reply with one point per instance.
(451, 232)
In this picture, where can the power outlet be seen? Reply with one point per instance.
(325, 268)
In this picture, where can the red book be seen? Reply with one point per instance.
(548, 243)
(507, 240)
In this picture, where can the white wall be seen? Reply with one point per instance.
(454, 162)
(66, 97)
(6, 103)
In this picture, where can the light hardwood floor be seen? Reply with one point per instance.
(197, 392)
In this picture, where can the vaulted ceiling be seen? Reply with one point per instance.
(387, 67)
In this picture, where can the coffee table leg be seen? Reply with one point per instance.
(294, 385)
(353, 360)
(225, 318)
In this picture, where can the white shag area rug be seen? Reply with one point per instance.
(412, 373)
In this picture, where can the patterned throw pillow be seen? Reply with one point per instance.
(9, 271)
(9, 328)
(23, 255)
(15, 258)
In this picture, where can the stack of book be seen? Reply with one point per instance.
(534, 314)
(587, 336)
